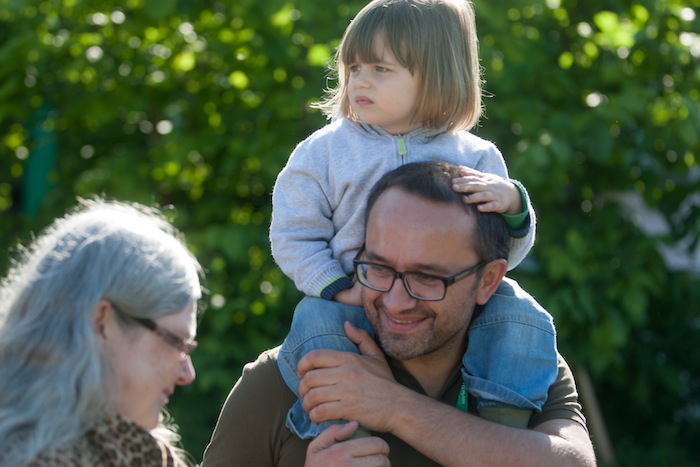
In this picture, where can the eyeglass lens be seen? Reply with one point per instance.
(420, 286)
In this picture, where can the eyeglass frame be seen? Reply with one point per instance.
(184, 346)
(446, 280)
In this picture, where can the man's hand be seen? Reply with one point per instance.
(347, 386)
(335, 447)
(491, 192)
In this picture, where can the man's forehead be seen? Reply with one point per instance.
(407, 227)
(399, 204)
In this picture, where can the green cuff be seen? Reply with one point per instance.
(517, 221)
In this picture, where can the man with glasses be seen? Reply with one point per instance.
(427, 266)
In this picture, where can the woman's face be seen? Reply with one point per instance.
(146, 368)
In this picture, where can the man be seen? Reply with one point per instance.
(406, 389)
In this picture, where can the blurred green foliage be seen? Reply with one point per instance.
(195, 106)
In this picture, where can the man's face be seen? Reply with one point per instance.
(408, 233)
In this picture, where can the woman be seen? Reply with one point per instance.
(97, 323)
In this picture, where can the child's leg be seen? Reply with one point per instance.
(317, 324)
(511, 358)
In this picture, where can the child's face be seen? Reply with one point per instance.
(384, 93)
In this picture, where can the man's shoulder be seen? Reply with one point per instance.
(562, 398)
(251, 427)
(263, 367)
(260, 379)
(267, 357)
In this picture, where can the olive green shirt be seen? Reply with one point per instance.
(251, 427)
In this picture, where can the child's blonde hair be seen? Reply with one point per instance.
(434, 38)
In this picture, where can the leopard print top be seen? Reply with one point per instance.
(116, 442)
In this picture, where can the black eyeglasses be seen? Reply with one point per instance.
(421, 286)
(184, 346)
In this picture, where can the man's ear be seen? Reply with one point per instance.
(491, 277)
(102, 315)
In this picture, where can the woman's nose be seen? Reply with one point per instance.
(187, 372)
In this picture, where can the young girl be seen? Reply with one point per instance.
(408, 90)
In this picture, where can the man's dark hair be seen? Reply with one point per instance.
(432, 181)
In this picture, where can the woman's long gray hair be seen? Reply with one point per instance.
(52, 371)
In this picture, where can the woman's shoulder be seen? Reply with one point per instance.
(114, 441)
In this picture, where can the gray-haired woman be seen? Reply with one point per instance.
(97, 323)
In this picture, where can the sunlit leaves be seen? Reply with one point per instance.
(319, 55)
(239, 79)
(616, 32)
(285, 17)
(566, 60)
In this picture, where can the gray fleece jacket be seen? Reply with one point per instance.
(319, 198)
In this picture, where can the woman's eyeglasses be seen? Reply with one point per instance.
(184, 346)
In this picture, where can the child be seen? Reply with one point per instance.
(408, 90)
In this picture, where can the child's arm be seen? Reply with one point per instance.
(302, 226)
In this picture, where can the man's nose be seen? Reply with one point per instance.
(398, 298)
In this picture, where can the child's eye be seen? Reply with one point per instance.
(381, 69)
(354, 68)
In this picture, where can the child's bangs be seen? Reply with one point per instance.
(359, 46)
(392, 25)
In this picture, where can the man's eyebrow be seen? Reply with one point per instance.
(415, 267)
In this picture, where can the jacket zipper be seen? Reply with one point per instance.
(402, 147)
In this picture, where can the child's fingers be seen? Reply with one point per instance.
(493, 206)
(480, 196)
(462, 186)
(485, 202)
(464, 170)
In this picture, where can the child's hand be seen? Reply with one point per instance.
(352, 296)
(491, 192)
